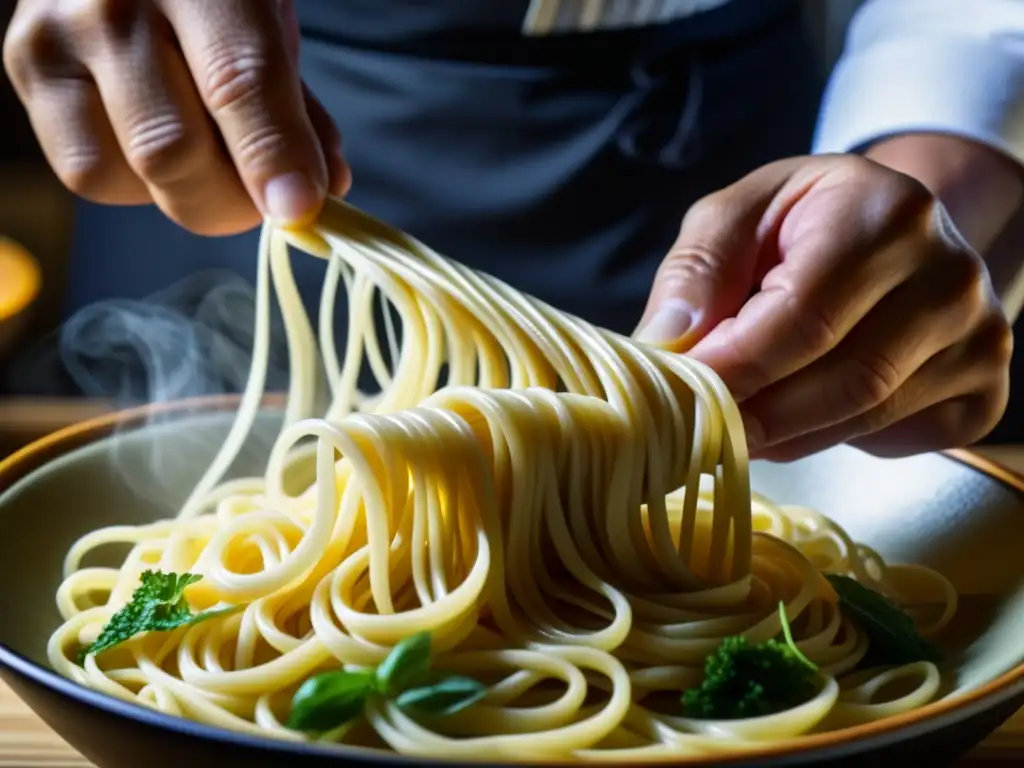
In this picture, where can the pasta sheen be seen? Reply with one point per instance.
(568, 512)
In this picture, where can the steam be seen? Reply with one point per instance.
(190, 340)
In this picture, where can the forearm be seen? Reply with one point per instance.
(983, 191)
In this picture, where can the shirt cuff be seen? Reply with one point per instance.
(943, 84)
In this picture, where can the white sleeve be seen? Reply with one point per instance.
(945, 66)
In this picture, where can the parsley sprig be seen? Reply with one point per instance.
(158, 605)
(744, 679)
(332, 699)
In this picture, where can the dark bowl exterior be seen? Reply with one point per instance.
(115, 740)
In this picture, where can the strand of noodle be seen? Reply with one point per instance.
(255, 386)
(570, 516)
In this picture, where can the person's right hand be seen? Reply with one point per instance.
(195, 105)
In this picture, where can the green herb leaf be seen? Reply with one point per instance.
(326, 701)
(892, 633)
(445, 697)
(158, 605)
(787, 633)
(406, 666)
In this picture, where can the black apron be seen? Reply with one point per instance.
(561, 164)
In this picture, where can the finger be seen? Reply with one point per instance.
(290, 27)
(239, 60)
(934, 428)
(710, 269)
(839, 258)
(161, 125)
(338, 174)
(339, 177)
(973, 375)
(913, 323)
(938, 428)
(67, 114)
(967, 419)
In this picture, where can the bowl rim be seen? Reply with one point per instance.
(35, 455)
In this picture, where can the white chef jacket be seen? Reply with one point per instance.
(947, 66)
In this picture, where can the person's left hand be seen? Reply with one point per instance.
(839, 304)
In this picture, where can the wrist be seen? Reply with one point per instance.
(982, 188)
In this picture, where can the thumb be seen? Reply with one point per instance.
(711, 269)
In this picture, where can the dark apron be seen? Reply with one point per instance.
(562, 165)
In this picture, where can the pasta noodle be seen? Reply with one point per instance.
(569, 514)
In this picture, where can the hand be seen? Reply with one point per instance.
(194, 105)
(839, 304)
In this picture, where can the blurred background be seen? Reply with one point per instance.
(36, 225)
(37, 213)
(36, 221)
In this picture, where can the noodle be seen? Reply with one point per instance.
(567, 512)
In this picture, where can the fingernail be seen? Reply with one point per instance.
(672, 319)
(292, 198)
(755, 433)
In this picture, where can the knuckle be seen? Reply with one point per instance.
(902, 198)
(969, 271)
(107, 17)
(31, 45)
(971, 418)
(709, 211)
(868, 385)
(914, 195)
(907, 196)
(159, 148)
(995, 340)
(80, 168)
(260, 146)
(960, 287)
(854, 166)
(234, 74)
(750, 372)
(956, 281)
(814, 325)
(689, 263)
(973, 289)
(952, 263)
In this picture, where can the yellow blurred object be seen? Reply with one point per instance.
(20, 283)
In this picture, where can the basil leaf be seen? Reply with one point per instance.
(406, 666)
(446, 697)
(326, 701)
(892, 633)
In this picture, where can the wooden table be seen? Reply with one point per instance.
(26, 742)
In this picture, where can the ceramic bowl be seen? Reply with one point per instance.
(953, 512)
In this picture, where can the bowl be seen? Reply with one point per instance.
(954, 512)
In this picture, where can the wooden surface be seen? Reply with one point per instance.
(25, 742)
